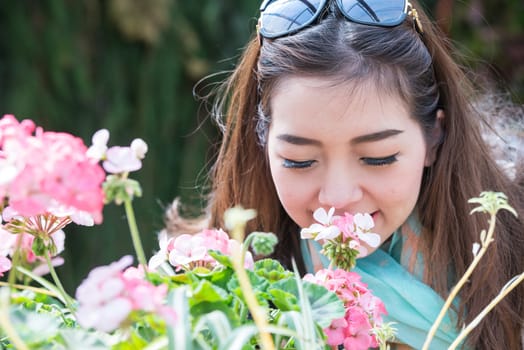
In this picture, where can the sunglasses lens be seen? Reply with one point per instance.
(374, 12)
(288, 16)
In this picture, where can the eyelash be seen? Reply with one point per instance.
(380, 161)
(288, 163)
(292, 164)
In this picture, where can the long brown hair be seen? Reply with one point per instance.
(419, 69)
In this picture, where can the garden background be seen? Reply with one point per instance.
(131, 66)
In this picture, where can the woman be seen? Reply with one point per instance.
(358, 106)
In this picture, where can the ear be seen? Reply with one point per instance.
(435, 139)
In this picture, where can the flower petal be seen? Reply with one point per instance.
(372, 239)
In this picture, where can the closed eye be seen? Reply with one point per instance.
(288, 163)
(380, 161)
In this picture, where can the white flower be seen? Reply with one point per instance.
(139, 147)
(162, 255)
(99, 147)
(324, 228)
(364, 223)
(121, 160)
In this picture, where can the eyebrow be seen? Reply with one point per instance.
(373, 137)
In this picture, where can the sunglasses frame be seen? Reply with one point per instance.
(408, 10)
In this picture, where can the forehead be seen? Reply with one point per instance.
(315, 106)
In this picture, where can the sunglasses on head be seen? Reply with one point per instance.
(284, 17)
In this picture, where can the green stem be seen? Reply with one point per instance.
(463, 334)
(33, 289)
(68, 300)
(135, 235)
(485, 243)
(14, 263)
(257, 312)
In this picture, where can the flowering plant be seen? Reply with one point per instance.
(202, 291)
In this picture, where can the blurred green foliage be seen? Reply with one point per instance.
(131, 65)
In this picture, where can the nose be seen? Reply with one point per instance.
(340, 189)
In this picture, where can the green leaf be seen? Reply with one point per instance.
(271, 270)
(79, 339)
(180, 336)
(284, 300)
(240, 337)
(325, 305)
(259, 284)
(204, 308)
(34, 327)
(208, 292)
(220, 276)
(218, 325)
(221, 258)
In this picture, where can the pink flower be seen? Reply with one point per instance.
(46, 170)
(5, 265)
(108, 295)
(358, 335)
(363, 310)
(186, 249)
(190, 251)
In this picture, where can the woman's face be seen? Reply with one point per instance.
(354, 149)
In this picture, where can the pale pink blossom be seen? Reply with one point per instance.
(187, 249)
(108, 295)
(190, 251)
(5, 265)
(121, 160)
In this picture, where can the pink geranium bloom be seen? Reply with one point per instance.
(363, 310)
(187, 249)
(47, 168)
(108, 295)
(359, 334)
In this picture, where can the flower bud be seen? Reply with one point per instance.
(139, 147)
(263, 243)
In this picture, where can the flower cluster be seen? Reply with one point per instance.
(186, 252)
(117, 159)
(46, 172)
(46, 182)
(363, 310)
(342, 236)
(109, 294)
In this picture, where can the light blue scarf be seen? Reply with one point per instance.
(411, 304)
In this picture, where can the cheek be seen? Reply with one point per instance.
(404, 184)
(295, 194)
